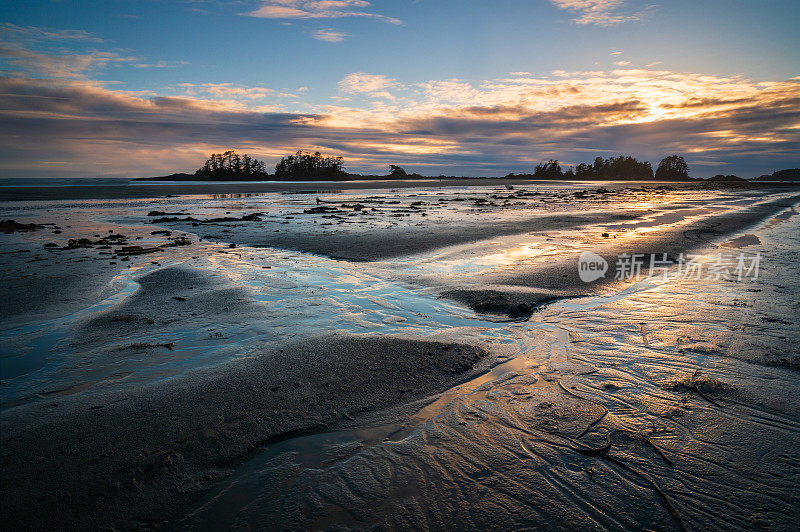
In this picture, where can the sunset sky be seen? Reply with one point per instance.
(470, 87)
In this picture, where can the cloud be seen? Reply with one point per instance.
(13, 32)
(229, 91)
(30, 51)
(161, 64)
(318, 9)
(329, 35)
(439, 126)
(34, 51)
(598, 12)
(59, 65)
(361, 82)
(238, 98)
(622, 63)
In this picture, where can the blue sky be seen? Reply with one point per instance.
(441, 86)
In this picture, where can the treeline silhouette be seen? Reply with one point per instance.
(788, 174)
(304, 165)
(621, 167)
(307, 166)
(670, 168)
(231, 165)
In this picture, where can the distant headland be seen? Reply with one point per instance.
(307, 166)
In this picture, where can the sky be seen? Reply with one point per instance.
(132, 88)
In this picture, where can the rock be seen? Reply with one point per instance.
(321, 209)
(179, 241)
(75, 243)
(135, 250)
(161, 213)
(9, 226)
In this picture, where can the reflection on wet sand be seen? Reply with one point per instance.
(646, 406)
(612, 405)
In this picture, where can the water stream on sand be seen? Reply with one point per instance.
(668, 403)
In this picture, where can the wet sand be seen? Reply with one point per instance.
(171, 374)
(130, 459)
(144, 189)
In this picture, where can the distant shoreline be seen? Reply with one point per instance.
(181, 177)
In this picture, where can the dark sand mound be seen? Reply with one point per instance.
(32, 297)
(127, 460)
(166, 297)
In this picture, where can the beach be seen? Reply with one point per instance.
(399, 354)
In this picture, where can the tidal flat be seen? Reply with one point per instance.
(419, 355)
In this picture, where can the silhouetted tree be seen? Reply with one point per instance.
(600, 167)
(620, 167)
(584, 171)
(303, 165)
(549, 170)
(672, 167)
(229, 164)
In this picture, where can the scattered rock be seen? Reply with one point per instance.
(9, 226)
(135, 250)
(174, 219)
(75, 243)
(161, 213)
(322, 209)
(179, 241)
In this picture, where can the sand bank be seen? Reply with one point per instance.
(125, 460)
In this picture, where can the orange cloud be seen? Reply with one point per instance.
(319, 9)
(361, 82)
